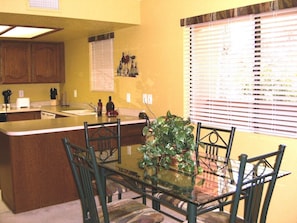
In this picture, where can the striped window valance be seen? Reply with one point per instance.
(101, 37)
(241, 11)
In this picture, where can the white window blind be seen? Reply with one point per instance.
(243, 72)
(101, 65)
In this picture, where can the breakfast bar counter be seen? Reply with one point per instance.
(40, 126)
(34, 169)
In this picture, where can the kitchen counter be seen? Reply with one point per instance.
(40, 126)
(72, 122)
(59, 108)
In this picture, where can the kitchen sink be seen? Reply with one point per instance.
(80, 112)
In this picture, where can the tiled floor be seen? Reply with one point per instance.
(63, 213)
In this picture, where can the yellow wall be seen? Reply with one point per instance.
(36, 92)
(158, 46)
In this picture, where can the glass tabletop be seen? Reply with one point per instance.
(215, 182)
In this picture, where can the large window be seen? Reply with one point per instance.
(243, 72)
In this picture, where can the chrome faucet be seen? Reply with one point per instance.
(94, 107)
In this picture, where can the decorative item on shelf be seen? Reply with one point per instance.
(127, 66)
(169, 144)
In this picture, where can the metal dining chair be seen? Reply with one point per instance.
(105, 138)
(211, 143)
(85, 170)
(252, 175)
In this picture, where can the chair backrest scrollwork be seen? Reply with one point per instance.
(105, 138)
(213, 143)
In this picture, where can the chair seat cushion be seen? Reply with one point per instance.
(126, 182)
(113, 187)
(168, 200)
(216, 216)
(131, 211)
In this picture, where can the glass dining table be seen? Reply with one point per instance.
(198, 191)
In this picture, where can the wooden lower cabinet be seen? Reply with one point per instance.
(34, 169)
(20, 116)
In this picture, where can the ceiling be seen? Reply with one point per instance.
(71, 28)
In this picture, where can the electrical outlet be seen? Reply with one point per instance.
(75, 93)
(128, 150)
(128, 97)
(21, 93)
(150, 99)
(144, 98)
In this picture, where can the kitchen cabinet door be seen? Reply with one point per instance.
(47, 62)
(21, 116)
(15, 62)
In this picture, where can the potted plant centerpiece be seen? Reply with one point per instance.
(169, 138)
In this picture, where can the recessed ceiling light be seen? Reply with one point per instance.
(24, 31)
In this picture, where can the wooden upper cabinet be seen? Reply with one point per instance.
(31, 62)
(47, 62)
(15, 62)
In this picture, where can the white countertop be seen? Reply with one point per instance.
(73, 122)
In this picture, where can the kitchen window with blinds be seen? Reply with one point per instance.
(101, 62)
(243, 72)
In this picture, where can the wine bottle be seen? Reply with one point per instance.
(99, 110)
(109, 106)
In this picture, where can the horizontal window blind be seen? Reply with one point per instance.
(242, 72)
(101, 65)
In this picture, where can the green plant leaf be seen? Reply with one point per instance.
(169, 137)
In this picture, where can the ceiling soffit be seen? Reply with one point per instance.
(71, 28)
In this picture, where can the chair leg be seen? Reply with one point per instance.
(192, 212)
(143, 195)
(156, 205)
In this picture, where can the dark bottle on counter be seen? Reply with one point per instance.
(99, 108)
(109, 106)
